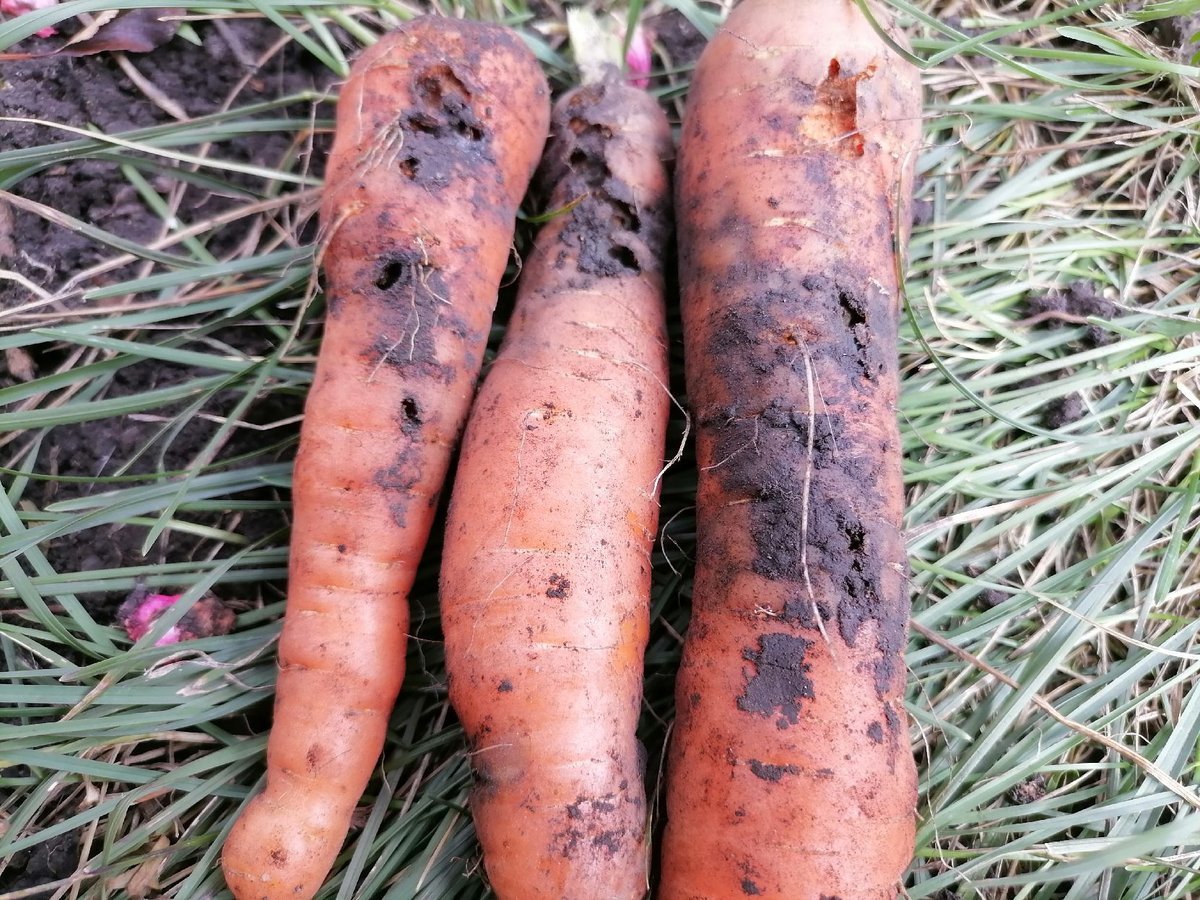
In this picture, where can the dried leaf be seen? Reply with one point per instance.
(144, 880)
(131, 31)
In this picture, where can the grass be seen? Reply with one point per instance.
(1054, 557)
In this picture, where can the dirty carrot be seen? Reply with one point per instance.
(545, 585)
(790, 771)
(439, 129)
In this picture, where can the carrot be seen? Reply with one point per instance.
(790, 773)
(439, 129)
(545, 585)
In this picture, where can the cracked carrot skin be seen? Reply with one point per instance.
(439, 130)
(790, 772)
(545, 585)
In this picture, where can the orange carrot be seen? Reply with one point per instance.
(790, 773)
(439, 129)
(545, 588)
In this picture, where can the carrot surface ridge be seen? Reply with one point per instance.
(790, 772)
(545, 586)
(439, 129)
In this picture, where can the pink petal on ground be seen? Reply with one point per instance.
(637, 59)
(207, 617)
(138, 616)
(19, 7)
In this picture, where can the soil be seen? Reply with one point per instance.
(679, 40)
(1072, 306)
(1179, 33)
(94, 93)
(49, 861)
(130, 445)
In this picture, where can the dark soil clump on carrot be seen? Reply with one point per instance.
(780, 683)
(605, 233)
(443, 138)
(770, 772)
(811, 506)
(786, 461)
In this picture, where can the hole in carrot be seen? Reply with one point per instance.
(411, 412)
(467, 130)
(409, 166)
(432, 84)
(580, 126)
(856, 537)
(422, 122)
(853, 310)
(625, 257)
(447, 105)
(625, 217)
(393, 273)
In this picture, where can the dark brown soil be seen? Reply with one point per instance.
(49, 861)
(1179, 33)
(678, 38)
(1072, 306)
(93, 93)
(128, 445)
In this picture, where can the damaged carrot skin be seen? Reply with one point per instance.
(545, 585)
(790, 771)
(439, 129)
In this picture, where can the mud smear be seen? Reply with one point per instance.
(442, 137)
(750, 880)
(605, 232)
(398, 481)
(769, 772)
(822, 541)
(586, 816)
(829, 320)
(891, 720)
(413, 310)
(780, 681)
(811, 485)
